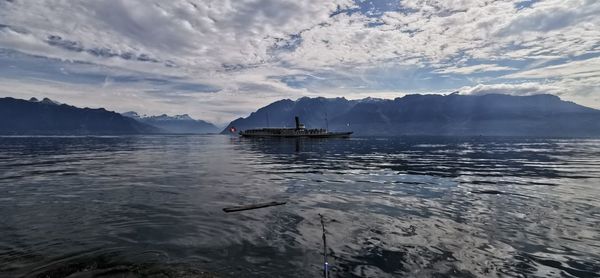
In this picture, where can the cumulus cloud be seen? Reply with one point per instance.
(521, 89)
(584, 92)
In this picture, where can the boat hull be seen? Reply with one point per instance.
(323, 135)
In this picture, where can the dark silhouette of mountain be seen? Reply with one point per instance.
(175, 124)
(47, 117)
(454, 114)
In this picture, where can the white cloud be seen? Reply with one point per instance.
(586, 93)
(520, 89)
(198, 35)
(474, 69)
(553, 15)
(574, 70)
(237, 46)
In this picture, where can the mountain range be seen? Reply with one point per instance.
(47, 117)
(453, 114)
(175, 124)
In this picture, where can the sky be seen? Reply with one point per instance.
(220, 60)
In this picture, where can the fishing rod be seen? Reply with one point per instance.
(325, 263)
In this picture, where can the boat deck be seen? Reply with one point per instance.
(292, 132)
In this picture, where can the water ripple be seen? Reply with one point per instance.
(409, 206)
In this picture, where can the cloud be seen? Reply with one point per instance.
(585, 92)
(552, 15)
(521, 89)
(202, 35)
(474, 69)
(574, 69)
(206, 57)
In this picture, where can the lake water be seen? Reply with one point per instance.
(409, 206)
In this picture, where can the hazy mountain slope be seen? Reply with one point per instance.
(19, 116)
(175, 124)
(494, 114)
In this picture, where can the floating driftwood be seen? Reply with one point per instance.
(496, 192)
(493, 192)
(253, 206)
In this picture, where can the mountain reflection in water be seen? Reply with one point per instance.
(405, 206)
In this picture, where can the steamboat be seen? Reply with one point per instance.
(299, 131)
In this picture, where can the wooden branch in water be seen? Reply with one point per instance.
(253, 206)
(496, 192)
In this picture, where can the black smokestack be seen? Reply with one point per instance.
(297, 122)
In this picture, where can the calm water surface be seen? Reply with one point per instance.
(415, 207)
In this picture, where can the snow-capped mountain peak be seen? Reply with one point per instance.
(174, 124)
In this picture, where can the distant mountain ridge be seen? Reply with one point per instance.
(454, 114)
(175, 124)
(48, 117)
